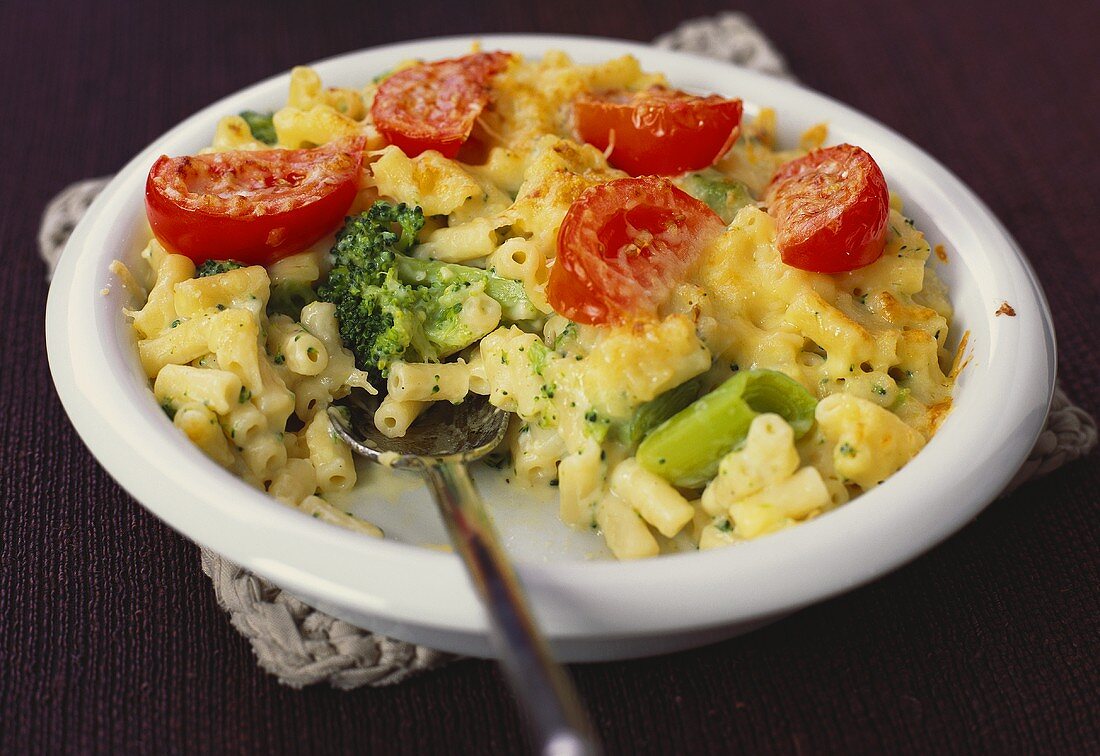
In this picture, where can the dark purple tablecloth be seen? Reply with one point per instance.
(110, 639)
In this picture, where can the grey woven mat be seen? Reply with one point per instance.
(302, 646)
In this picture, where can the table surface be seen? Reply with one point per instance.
(111, 639)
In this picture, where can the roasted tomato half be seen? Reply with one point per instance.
(623, 245)
(433, 106)
(658, 131)
(251, 206)
(830, 208)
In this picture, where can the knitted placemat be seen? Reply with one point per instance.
(302, 646)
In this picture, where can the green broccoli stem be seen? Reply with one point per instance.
(514, 303)
(687, 448)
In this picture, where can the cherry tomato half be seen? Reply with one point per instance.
(251, 206)
(830, 208)
(658, 131)
(623, 245)
(433, 106)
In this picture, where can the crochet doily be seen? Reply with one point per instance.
(302, 646)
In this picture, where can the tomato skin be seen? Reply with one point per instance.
(659, 131)
(831, 209)
(251, 206)
(433, 106)
(623, 245)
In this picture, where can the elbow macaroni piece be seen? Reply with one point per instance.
(242, 288)
(265, 455)
(536, 451)
(477, 238)
(317, 507)
(768, 456)
(201, 426)
(160, 307)
(870, 443)
(306, 91)
(319, 318)
(438, 185)
(274, 399)
(780, 504)
(580, 483)
(302, 352)
(331, 458)
(295, 481)
(219, 390)
(652, 497)
(429, 382)
(626, 533)
(234, 133)
(308, 128)
(393, 417)
(517, 366)
(302, 268)
(244, 425)
(480, 314)
(476, 370)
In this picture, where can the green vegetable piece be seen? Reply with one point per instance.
(565, 337)
(288, 297)
(443, 326)
(596, 427)
(261, 126)
(378, 316)
(394, 307)
(902, 398)
(656, 411)
(724, 196)
(539, 357)
(216, 267)
(686, 449)
(514, 303)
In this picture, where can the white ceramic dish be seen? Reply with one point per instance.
(590, 609)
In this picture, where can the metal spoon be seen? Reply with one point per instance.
(439, 445)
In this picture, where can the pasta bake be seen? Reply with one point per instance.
(700, 334)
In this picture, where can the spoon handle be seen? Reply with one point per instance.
(542, 686)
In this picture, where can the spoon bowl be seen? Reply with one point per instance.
(446, 432)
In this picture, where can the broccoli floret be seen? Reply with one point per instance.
(261, 125)
(515, 306)
(725, 196)
(391, 306)
(376, 312)
(289, 297)
(214, 267)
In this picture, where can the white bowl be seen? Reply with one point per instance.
(589, 609)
